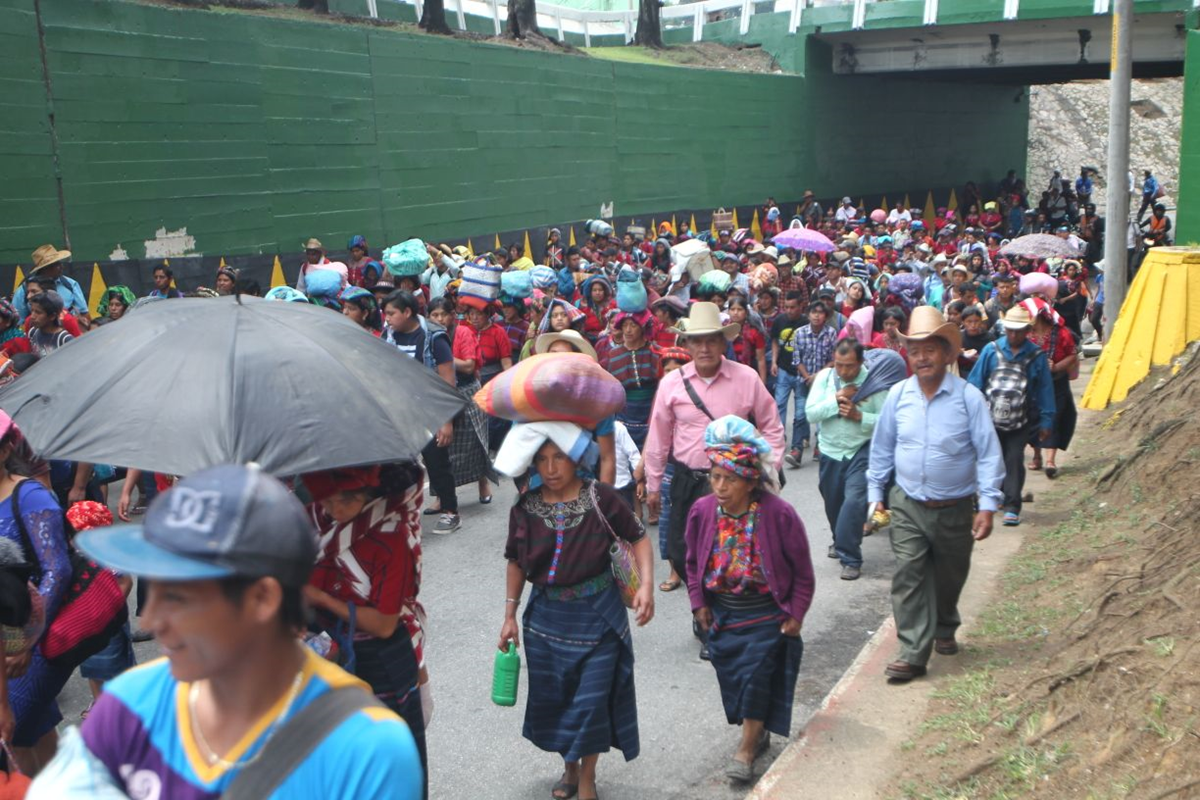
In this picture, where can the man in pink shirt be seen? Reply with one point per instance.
(687, 400)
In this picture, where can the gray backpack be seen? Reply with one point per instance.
(1007, 391)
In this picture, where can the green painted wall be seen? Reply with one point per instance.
(1187, 213)
(254, 133)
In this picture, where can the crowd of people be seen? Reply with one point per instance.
(923, 367)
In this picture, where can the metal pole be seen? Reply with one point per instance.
(1117, 208)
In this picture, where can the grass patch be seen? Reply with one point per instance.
(631, 54)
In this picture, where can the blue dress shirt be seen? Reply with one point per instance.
(940, 449)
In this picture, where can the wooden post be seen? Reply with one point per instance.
(698, 23)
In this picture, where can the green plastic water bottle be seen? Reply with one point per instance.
(505, 676)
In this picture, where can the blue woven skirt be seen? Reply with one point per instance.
(756, 665)
(580, 659)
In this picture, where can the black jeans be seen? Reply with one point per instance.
(441, 479)
(1012, 448)
(687, 486)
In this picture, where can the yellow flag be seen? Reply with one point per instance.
(498, 245)
(470, 248)
(930, 212)
(755, 228)
(906, 203)
(862, 206)
(222, 264)
(528, 249)
(97, 290)
(735, 222)
(713, 229)
(277, 278)
(692, 227)
(654, 228)
(953, 202)
(674, 226)
(18, 280)
(884, 204)
(572, 239)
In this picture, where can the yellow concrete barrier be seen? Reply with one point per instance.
(1161, 315)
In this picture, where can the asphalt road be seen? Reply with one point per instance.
(476, 748)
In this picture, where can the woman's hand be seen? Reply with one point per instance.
(16, 666)
(790, 627)
(123, 507)
(643, 604)
(703, 617)
(509, 632)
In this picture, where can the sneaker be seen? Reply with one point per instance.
(832, 551)
(1012, 518)
(447, 523)
(850, 573)
(793, 457)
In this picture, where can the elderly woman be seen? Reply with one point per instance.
(750, 580)
(577, 637)
(634, 363)
(365, 583)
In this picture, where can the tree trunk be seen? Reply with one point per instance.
(522, 19)
(433, 17)
(649, 27)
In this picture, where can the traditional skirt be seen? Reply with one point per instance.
(580, 657)
(636, 414)
(756, 665)
(469, 450)
(389, 667)
(1065, 415)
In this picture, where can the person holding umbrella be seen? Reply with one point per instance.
(368, 574)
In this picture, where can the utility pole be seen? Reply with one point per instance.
(1116, 225)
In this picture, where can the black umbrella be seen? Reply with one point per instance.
(180, 385)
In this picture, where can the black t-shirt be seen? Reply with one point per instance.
(413, 345)
(977, 342)
(782, 331)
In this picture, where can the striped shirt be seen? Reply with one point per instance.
(635, 369)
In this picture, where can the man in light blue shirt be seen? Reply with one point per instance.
(48, 263)
(935, 436)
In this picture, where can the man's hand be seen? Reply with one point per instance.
(654, 503)
(774, 370)
(445, 435)
(983, 526)
(846, 392)
(123, 507)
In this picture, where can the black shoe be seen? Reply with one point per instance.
(704, 656)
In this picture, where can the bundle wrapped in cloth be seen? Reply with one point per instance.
(553, 387)
(480, 283)
(406, 259)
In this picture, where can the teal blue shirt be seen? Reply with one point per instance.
(839, 437)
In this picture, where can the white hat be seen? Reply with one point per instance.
(704, 320)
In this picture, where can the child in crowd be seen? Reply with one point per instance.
(630, 476)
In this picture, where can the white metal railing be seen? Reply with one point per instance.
(562, 20)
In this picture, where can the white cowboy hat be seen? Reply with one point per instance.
(927, 322)
(705, 320)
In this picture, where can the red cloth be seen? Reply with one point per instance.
(88, 514)
(748, 343)
(465, 346)
(17, 345)
(323, 485)
(494, 344)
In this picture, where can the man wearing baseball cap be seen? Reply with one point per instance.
(238, 708)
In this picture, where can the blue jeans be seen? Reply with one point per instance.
(786, 384)
(843, 487)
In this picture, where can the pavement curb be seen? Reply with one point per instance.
(822, 720)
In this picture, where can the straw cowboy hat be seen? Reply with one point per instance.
(314, 244)
(705, 320)
(46, 255)
(571, 337)
(1017, 318)
(927, 323)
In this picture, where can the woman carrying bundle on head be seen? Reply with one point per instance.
(578, 647)
(750, 581)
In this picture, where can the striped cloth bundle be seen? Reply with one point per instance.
(553, 387)
(480, 280)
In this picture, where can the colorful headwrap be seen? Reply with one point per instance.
(123, 293)
(212, 294)
(88, 514)
(323, 485)
(228, 272)
(734, 444)
(357, 241)
(574, 315)
(8, 312)
(643, 318)
(544, 278)
(360, 297)
(909, 287)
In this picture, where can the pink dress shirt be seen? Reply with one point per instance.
(677, 426)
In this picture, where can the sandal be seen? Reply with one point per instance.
(670, 585)
(563, 790)
(1036, 464)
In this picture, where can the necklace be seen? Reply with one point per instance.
(210, 755)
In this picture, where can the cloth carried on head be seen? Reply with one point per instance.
(544, 278)
(524, 439)
(736, 445)
(287, 294)
(122, 293)
(323, 485)
(563, 387)
(407, 259)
